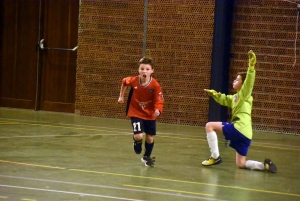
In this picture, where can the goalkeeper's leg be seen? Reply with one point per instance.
(212, 128)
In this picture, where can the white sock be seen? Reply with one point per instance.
(212, 140)
(254, 165)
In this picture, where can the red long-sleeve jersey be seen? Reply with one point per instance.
(145, 99)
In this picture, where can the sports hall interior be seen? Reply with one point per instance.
(65, 137)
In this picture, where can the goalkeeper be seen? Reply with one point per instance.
(239, 131)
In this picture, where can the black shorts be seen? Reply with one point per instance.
(143, 126)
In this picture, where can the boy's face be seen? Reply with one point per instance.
(237, 83)
(145, 70)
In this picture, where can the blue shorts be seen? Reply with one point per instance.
(140, 126)
(238, 141)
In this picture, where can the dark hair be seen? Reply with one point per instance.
(243, 75)
(146, 60)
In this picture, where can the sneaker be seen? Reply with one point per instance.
(137, 146)
(212, 161)
(270, 166)
(149, 161)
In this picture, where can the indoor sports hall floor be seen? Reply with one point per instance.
(47, 156)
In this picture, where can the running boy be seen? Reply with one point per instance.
(239, 132)
(145, 104)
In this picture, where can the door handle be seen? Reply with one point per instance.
(43, 47)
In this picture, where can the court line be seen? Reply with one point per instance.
(274, 147)
(58, 126)
(89, 135)
(88, 126)
(112, 187)
(62, 135)
(162, 179)
(181, 138)
(96, 128)
(126, 131)
(4, 123)
(69, 192)
(255, 145)
(70, 126)
(187, 182)
(33, 165)
(62, 124)
(163, 189)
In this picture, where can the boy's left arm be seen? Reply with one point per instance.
(247, 87)
(158, 101)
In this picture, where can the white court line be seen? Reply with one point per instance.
(111, 187)
(63, 124)
(87, 126)
(67, 135)
(125, 130)
(72, 135)
(69, 192)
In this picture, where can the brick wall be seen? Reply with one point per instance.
(268, 27)
(110, 44)
(179, 39)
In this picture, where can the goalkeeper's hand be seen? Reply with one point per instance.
(212, 93)
(252, 59)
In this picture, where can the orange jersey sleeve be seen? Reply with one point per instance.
(145, 99)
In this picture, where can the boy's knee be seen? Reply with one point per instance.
(149, 138)
(209, 127)
(138, 137)
(207, 124)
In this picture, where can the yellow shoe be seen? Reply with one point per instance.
(212, 161)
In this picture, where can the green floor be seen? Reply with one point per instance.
(46, 156)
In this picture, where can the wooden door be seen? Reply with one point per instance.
(30, 77)
(58, 69)
(18, 54)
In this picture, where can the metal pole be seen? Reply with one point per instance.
(38, 68)
(145, 26)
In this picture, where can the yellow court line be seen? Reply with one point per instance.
(4, 123)
(187, 182)
(156, 178)
(33, 165)
(88, 129)
(3, 197)
(9, 122)
(181, 138)
(169, 190)
(26, 199)
(274, 147)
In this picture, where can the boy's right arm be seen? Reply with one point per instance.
(222, 99)
(122, 92)
(212, 93)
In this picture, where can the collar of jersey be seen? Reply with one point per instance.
(146, 84)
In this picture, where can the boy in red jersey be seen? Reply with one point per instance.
(145, 104)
